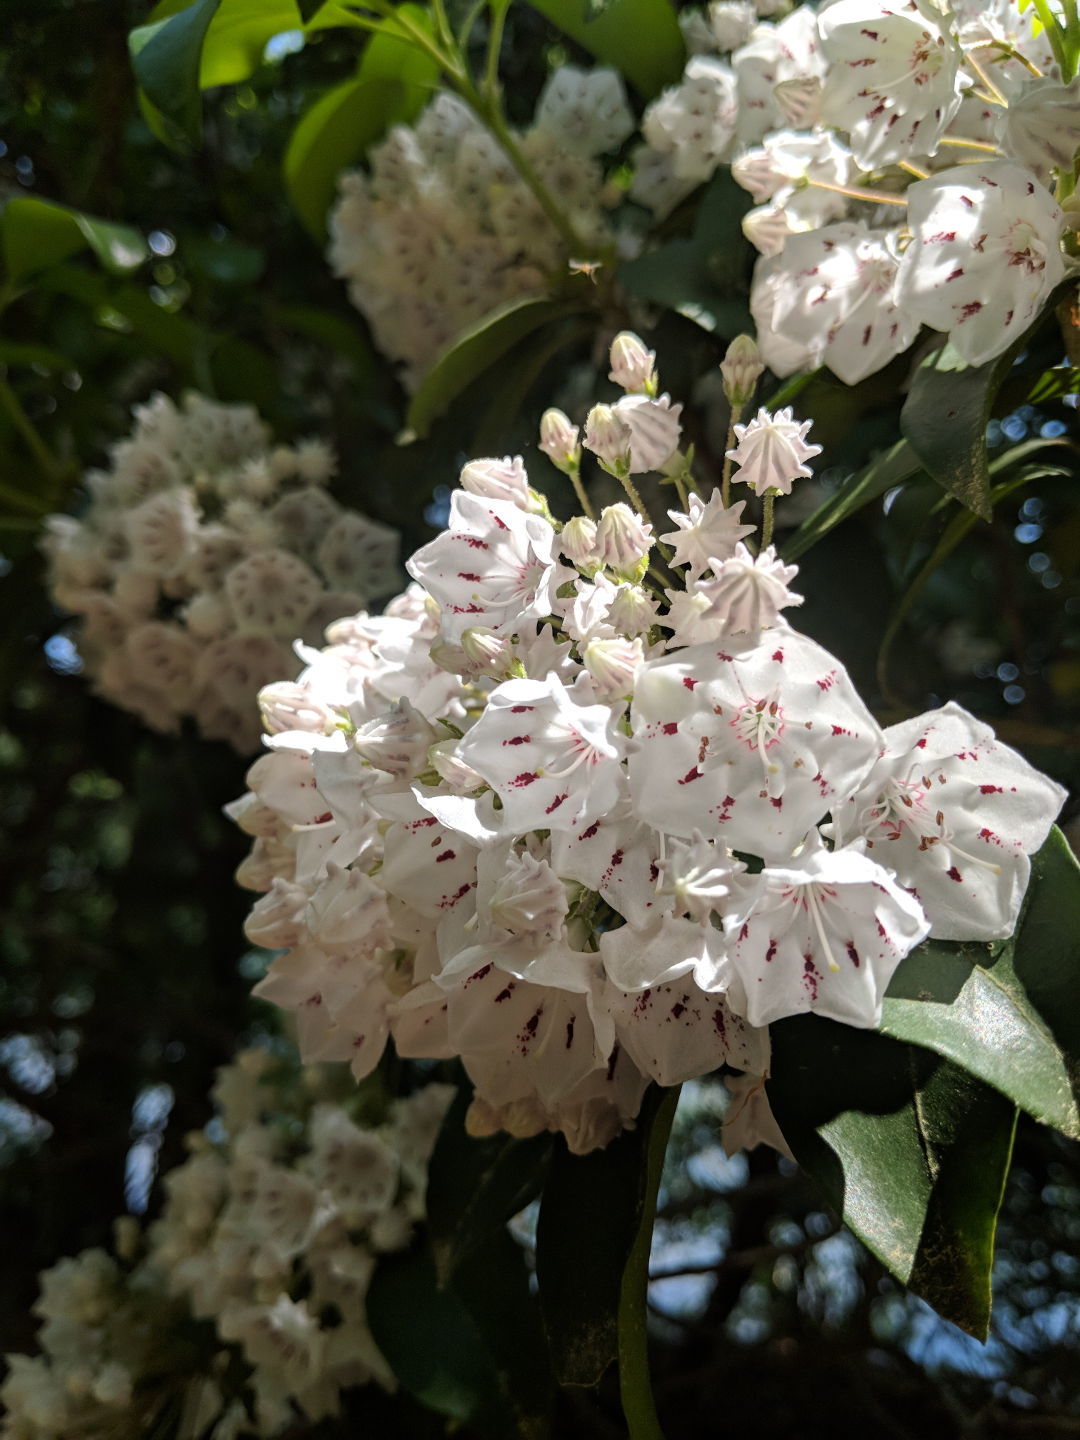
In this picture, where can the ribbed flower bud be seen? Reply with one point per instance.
(503, 479)
(623, 539)
(559, 440)
(578, 542)
(741, 368)
(444, 760)
(614, 665)
(632, 365)
(633, 610)
(396, 742)
(488, 652)
(608, 436)
(287, 706)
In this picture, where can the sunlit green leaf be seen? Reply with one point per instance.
(166, 56)
(1009, 1013)
(391, 87)
(39, 233)
(884, 472)
(640, 38)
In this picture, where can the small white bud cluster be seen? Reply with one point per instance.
(203, 552)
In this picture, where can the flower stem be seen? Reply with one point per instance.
(635, 499)
(579, 491)
(729, 464)
(767, 519)
(860, 192)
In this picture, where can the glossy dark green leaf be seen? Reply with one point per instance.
(640, 38)
(590, 1219)
(704, 277)
(1009, 1013)
(309, 9)
(166, 56)
(476, 1185)
(226, 261)
(908, 1148)
(944, 420)
(39, 233)
(892, 468)
(471, 355)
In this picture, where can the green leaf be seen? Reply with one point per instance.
(226, 261)
(1052, 384)
(590, 1219)
(309, 9)
(909, 1149)
(1010, 1014)
(471, 355)
(706, 276)
(166, 56)
(391, 87)
(883, 473)
(476, 1186)
(472, 1352)
(15, 352)
(944, 420)
(40, 233)
(639, 38)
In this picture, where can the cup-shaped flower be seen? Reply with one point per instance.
(984, 257)
(655, 430)
(824, 932)
(954, 814)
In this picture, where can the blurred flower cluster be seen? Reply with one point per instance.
(203, 551)
(243, 1306)
(445, 229)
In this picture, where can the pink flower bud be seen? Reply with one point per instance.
(608, 436)
(633, 610)
(741, 368)
(578, 542)
(623, 539)
(559, 439)
(288, 706)
(614, 665)
(503, 479)
(487, 651)
(632, 365)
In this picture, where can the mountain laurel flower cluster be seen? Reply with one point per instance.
(444, 229)
(203, 551)
(902, 156)
(584, 809)
(296, 1196)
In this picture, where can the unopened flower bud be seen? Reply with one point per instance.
(288, 706)
(741, 368)
(396, 742)
(608, 436)
(449, 657)
(451, 769)
(578, 542)
(488, 652)
(623, 539)
(772, 451)
(632, 611)
(503, 479)
(559, 440)
(632, 365)
(614, 665)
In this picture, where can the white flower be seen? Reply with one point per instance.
(1040, 128)
(895, 78)
(614, 665)
(607, 435)
(700, 875)
(732, 22)
(955, 815)
(529, 899)
(824, 933)
(553, 762)
(772, 451)
(493, 566)
(832, 295)
(708, 532)
(985, 255)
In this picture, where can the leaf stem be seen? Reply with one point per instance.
(499, 10)
(635, 1388)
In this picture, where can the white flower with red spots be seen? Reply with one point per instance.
(494, 565)
(984, 257)
(894, 79)
(823, 933)
(955, 815)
